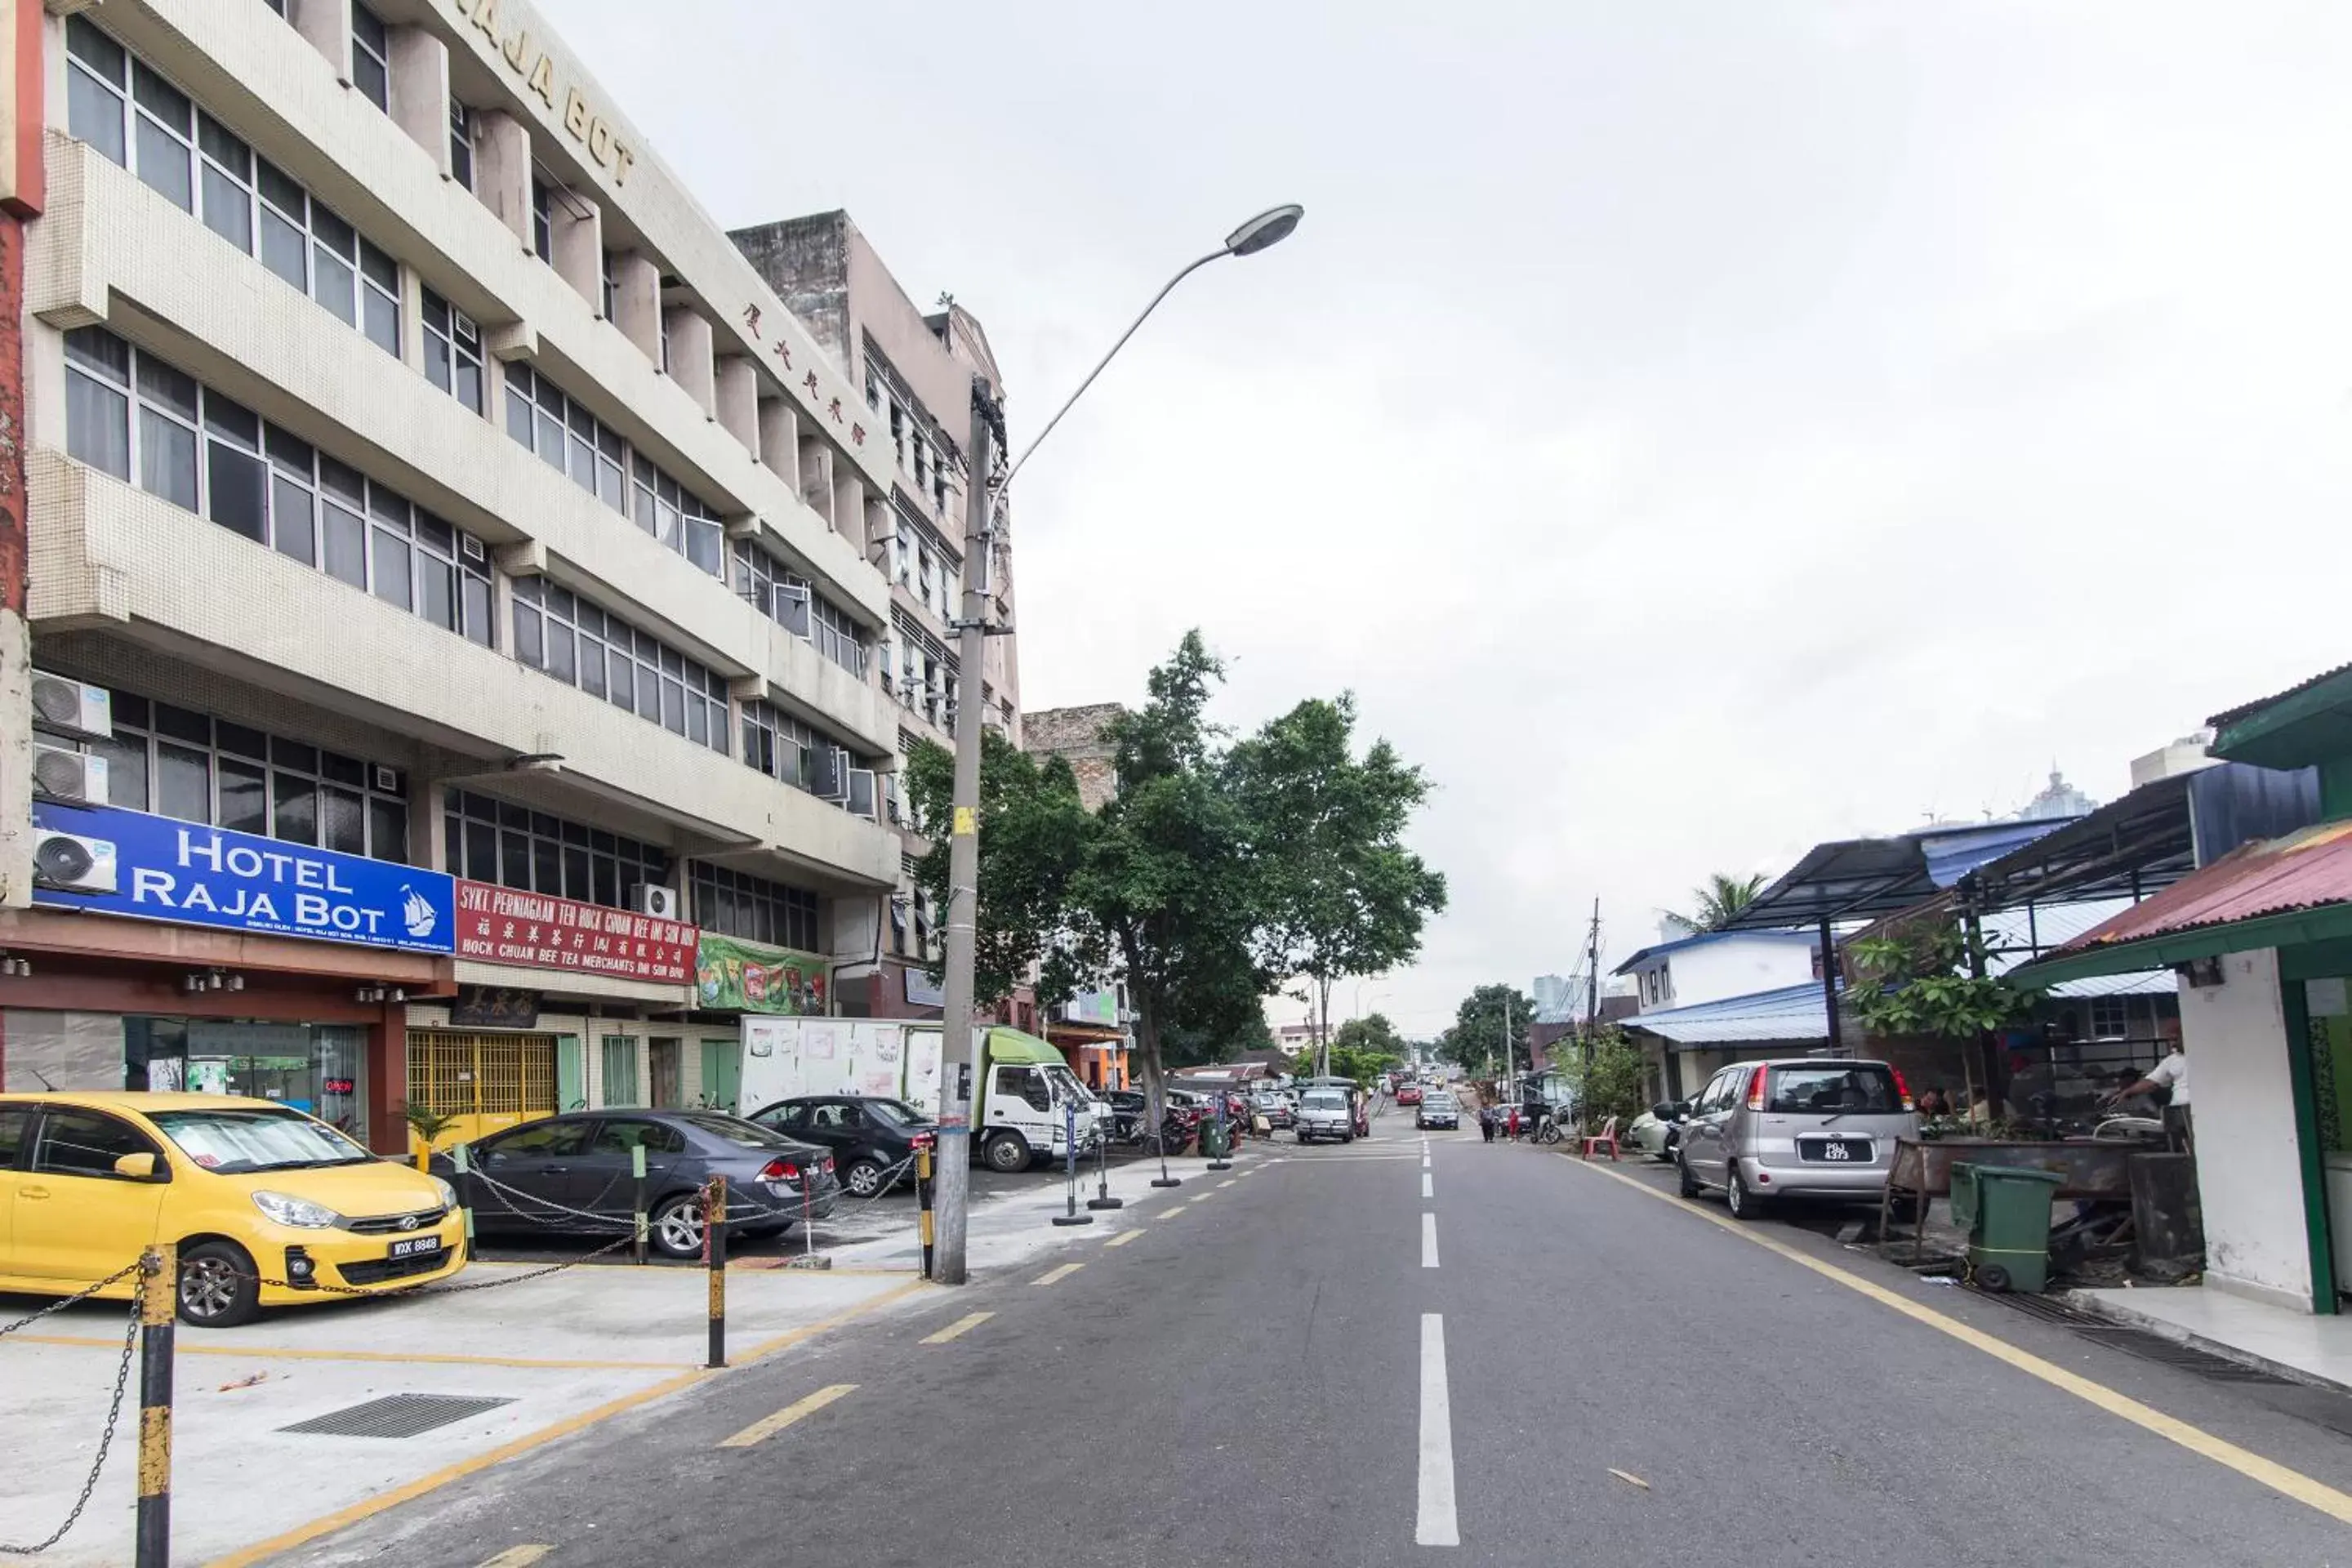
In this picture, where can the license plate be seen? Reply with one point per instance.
(1834, 1151)
(411, 1246)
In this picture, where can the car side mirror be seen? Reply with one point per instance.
(1662, 1111)
(138, 1167)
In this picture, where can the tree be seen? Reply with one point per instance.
(1720, 901)
(1372, 1033)
(1035, 832)
(1922, 978)
(1337, 892)
(1475, 1040)
(1610, 1080)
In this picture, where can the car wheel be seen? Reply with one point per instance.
(1688, 1186)
(1007, 1153)
(218, 1286)
(1743, 1203)
(677, 1226)
(864, 1177)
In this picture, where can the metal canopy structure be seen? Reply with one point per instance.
(1864, 878)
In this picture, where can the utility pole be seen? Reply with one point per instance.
(1592, 985)
(959, 1059)
(1506, 1038)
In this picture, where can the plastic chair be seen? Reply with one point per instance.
(1604, 1139)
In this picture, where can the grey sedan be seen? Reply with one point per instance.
(574, 1172)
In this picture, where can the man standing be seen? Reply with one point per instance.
(2171, 1073)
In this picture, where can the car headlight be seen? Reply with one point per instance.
(300, 1213)
(448, 1193)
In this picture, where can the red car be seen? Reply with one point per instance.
(1408, 1094)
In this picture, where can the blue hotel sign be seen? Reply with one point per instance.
(190, 874)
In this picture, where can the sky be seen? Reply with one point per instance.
(1694, 429)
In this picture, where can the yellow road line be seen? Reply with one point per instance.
(327, 1524)
(518, 1557)
(767, 1426)
(291, 1353)
(1176, 1207)
(1124, 1237)
(1063, 1272)
(961, 1326)
(2295, 1484)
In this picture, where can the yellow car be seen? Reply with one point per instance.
(267, 1205)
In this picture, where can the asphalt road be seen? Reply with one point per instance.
(1593, 1371)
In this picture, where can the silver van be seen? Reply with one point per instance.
(1820, 1127)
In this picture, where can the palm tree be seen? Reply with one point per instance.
(1720, 901)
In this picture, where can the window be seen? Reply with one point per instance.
(491, 841)
(610, 293)
(371, 57)
(758, 575)
(453, 350)
(215, 458)
(86, 1143)
(578, 643)
(1827, 1089)
(733, 903)
(620, 1065)
(175, 762)
(98, 89)
(542, 220)
(2110, 1017)
(653, 1137)
(461, 143)
(546, 1140)
(778, 745)
(674, 515)
(13, 1125)
(1028, 1083)
(567, 438)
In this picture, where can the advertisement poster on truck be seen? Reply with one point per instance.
(784, 1058)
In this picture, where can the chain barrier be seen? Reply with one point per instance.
(79, 1296)
(114, 1405)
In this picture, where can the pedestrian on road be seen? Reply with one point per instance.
(1487, 1124)
(1514, 1133)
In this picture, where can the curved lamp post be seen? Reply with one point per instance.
(960, 1069)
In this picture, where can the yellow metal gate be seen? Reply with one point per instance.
(483, 1082)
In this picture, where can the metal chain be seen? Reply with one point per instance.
(113, 1408)
(81, 1295)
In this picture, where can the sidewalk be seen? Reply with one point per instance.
(2298, 1346)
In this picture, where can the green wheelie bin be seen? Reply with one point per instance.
(2005, 1209)
(1216, 1138)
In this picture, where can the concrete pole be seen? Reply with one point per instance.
(958, 1057)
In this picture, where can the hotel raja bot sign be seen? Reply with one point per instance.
(540, 930)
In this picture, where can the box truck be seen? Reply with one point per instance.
(1024, 1105)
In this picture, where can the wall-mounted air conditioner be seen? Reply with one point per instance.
(62, 774)
(72, 863)
(73, 708)
(653, 899)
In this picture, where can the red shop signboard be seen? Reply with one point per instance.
(538, 930)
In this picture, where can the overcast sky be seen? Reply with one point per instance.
(1695, 428)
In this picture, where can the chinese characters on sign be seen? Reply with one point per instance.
(503, 925)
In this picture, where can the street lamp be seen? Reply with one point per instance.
(961, 1066)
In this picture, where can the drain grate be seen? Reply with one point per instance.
(2138, 1341)
(396, 1415)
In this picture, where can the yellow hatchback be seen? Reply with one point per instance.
(269, 1207)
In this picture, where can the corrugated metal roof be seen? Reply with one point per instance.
(1702, 938)
(2279, 876)
(2232, 715)
(1791, 1013)
(1860, 878)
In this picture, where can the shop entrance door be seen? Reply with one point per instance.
(2329, 1011)
(722, 1076)
(481, 1082)
(668, 1073)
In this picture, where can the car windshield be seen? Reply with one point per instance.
(736, 1130)
(898, 1113)
(231, 1141)
(1833, 1088)
(1437, 1102)
(1325, 1099)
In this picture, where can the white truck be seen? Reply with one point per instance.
(1027, 1099)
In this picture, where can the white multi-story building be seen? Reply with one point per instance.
(479, 558)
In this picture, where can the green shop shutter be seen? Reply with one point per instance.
(722, 1075)
(570, 1074)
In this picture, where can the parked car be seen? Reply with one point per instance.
(1325, 1113)
(872, 1139)
(1408, 1094)
(1438, 1109)
(1657, 1131)
(1800, 1127)
(573, 1173)
(1277, 1108)
(248, 1189)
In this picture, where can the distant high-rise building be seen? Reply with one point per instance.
(1552, 998)
(2060, 800)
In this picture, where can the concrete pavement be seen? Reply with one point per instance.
(1279, 1369)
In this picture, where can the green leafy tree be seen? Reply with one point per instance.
(1035, 831)
(1337, 892)
(1921, 978)
(1718, 904)
(1609, 1080)
(1480, 1022)
(1372, 1033)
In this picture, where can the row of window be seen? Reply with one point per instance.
(735, 903)
(571, 440)
(580, 644)
(181, 763)
(492, 841)
(799, 607)
(918, 458)
(217, 459)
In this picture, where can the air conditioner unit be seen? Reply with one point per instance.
(861, 792)
(793, 609)
(72, 707)
(73, 864)
(62, 774)
(653, 899)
